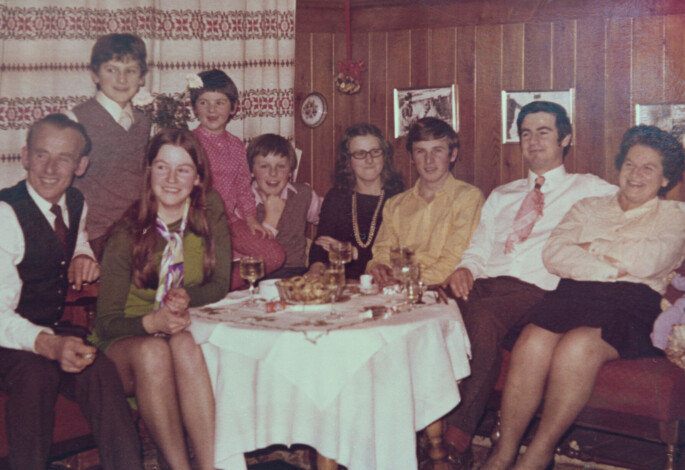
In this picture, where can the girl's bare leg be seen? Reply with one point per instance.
(145, 368)
(195, 396)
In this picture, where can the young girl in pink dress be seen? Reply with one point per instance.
(214, 104)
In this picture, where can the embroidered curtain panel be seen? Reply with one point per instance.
(45, 51)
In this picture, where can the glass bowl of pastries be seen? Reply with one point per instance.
(302, 290)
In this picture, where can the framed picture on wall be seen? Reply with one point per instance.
(513, 101)
(412, 104)
(669, 117)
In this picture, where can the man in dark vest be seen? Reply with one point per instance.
(44, 247)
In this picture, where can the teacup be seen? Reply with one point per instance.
(268, 289)
(366, 284)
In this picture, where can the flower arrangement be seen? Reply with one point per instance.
(167, 110)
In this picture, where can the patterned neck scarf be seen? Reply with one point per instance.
(171, 271)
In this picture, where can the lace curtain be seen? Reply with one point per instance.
(45, 50)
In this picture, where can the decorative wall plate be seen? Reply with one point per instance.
(313, 110)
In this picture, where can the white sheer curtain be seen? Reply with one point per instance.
(45, 50)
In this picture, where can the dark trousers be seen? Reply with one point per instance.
(496, 306)
(32, 383)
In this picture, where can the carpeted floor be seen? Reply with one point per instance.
(609, 452)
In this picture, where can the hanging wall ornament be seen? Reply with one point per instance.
(348, 80)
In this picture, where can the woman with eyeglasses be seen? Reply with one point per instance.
(171, 250)
(352, 210)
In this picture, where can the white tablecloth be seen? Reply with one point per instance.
(357, 389)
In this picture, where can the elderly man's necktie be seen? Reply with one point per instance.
(60, 227)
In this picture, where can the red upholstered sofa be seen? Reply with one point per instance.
(71, 433)
(642, 398)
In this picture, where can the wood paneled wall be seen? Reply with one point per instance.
(612, 60)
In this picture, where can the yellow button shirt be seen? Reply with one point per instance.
(438, 231)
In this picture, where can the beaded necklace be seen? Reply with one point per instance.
(372, 228)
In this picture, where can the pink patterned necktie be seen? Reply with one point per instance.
(529, 213)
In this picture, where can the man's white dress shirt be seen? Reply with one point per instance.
(485, 255)
(16, 332)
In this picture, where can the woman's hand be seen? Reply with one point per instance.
(325, 242)
(177, 299)
(172, 317)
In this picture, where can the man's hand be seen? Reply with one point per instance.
(255, 227)
(71, 352)
(382, 275)
(83, 269)
(461, 283)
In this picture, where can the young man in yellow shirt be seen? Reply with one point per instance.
(437, 216)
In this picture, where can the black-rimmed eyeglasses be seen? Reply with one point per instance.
(362, 154)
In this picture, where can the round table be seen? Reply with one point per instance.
(356, 388)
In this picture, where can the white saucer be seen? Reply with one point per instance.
(370, 291)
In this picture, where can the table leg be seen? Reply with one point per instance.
(437, 452)
(323, 463)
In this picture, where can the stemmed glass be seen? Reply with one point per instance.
(414, 287)
(401, 259)
(340, 253)
(334, 281)
(251, 269)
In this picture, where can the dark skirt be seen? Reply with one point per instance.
(624, 311)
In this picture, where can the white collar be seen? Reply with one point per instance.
(284, 193)
(112, 107)
(552, 177)
(45, 205)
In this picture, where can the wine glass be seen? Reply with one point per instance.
(413, 287)
(401, 260)
(340, 252)
(334, 280)
(251, 269)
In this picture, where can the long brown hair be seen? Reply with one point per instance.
(143, 213)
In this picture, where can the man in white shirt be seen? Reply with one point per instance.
(501, 275)
(44, 247)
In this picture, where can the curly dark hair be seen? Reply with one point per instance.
(344, 178)
(670, 149)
